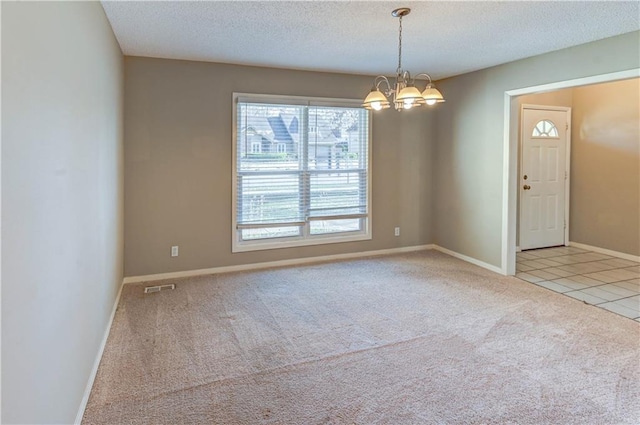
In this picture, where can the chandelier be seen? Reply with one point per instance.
(403, 94)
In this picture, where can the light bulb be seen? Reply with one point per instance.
(431, 101)
(408, 103)
(376, 105)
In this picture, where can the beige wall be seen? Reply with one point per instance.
(178, 141)
(562, 97)
(605, 166)
(62, 197)
(470, 136)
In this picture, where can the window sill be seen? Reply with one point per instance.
(296, 242)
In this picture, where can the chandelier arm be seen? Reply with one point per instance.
(425, 74)
(380, 79)
(406, 76)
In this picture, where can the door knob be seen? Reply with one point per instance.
(526, 187)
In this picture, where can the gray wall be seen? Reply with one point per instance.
(62, 198)
(469, 150)
(605, 166)
(178, 143)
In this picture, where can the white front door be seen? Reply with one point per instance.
(543, 177)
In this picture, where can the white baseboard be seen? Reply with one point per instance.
(471, 260)
(96, 363)
(270, 264)
(300, 261)
(606, 251)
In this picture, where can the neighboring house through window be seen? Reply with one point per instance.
(301, 172)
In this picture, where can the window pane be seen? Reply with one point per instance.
(337, 193)
(272, 232)
(268, 136)
(271, 198)
(324, 227)
(337, 138)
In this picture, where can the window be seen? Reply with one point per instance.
(308, 183)
(256, 147)
(545, 128)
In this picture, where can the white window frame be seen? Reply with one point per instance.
(306, 239)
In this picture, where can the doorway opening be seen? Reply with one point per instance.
(511, 176)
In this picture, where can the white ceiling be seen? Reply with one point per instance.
(441, 38)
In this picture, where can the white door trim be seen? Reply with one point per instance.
(510, 156)
(567, 166)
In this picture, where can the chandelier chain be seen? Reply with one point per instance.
(400, 47)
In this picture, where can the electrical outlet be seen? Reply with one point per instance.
(397, 231)
(174, 251)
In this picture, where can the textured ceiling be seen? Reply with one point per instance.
(441, 38)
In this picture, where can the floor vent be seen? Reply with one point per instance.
(158, 288)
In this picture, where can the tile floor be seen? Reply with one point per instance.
(598, 279)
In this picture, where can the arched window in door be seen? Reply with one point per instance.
(545, 128)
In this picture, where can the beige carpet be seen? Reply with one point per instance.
(414, 339)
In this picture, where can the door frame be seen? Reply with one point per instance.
(567, 165)
(510, 155)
